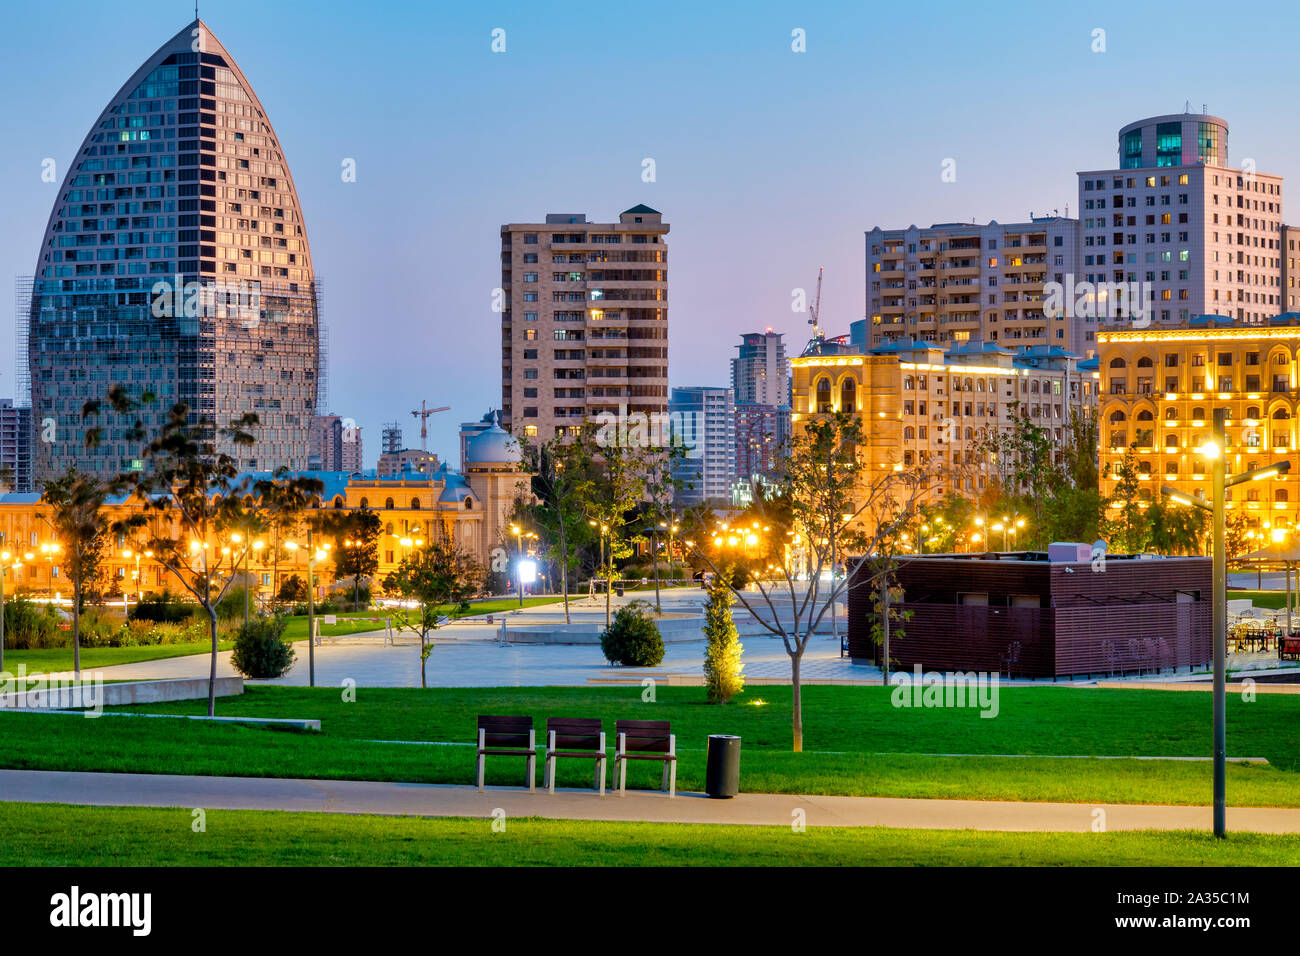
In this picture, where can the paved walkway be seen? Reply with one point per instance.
(754, 809)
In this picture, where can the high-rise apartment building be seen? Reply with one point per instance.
(584, 326)
(704, 421)
(335, 444)
(760, 373)
(762, 435)
(955, 282)
(1176, 225)
(15, 446)
(175, 262)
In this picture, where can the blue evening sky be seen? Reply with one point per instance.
(769, 163)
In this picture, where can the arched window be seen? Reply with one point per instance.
(365, 502)
(1144, 362)
(1198, 414)
(1033, 387)
(1171, 414)
(469, 504)
(1118, 363)
(909, 433)
(1118, 416)
(1252, 412)
(338, 502)
(849, 396)
(824, 395)
(1145, 415)
(388, 503)
(415, 504)
(979, 384)
(969, 435)
(1171, 442)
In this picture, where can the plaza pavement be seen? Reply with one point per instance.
(751, 809)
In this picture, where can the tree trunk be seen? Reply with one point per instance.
(654, 559)
(884, 630)
(76, 629)
(564, 569)
(796, 700)
(212, 673)
(423, 658)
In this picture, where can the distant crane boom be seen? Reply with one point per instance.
(423, 413)
(816, 309)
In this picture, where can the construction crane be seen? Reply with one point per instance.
(423, 413)
(817, 307)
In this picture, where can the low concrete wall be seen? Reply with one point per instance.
(89, 694)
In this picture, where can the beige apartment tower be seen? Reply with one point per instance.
(584, 322)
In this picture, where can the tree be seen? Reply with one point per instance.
(281, 502)
(616, 487)
(77, 516)
(435, 575)
(836, 503)
(356, 554)
(562, 476)
(192, 486)
(722, 656)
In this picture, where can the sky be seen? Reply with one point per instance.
(769, 163)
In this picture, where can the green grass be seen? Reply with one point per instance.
(45, 835)
(1272, 599)
(856, 743)
(50, 660)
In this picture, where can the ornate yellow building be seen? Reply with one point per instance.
(924, 404)
(1161, 386)
(472, 509)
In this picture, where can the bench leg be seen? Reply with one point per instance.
(550, 774)
(600, 775)
(532, 773)
(620, 772)
(480, 772)
(672, 779)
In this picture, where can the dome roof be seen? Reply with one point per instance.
(456, 490)
(494, 445)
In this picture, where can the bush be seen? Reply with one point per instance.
(633, 639)
(722, 663)
(292, 589)
(260, 651)
(30, 626)
(232, 604)
(163, 608)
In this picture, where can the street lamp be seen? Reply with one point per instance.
(604, 531)
(518, 532)
(1214, 451)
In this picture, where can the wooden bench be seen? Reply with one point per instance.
(507, 737)
(645, 740)
(575, 737)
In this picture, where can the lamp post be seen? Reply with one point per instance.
(1216, 451)
(518, 532)
(604, 530)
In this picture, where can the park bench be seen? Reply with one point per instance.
(575, 737)
(507, 737)
(645, 740)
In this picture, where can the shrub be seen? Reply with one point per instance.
(163, 608)
(232, 604)
(633, 639)
(722, 663)
(29, 626)
(260, 652)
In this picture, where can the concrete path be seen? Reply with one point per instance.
(753, 809)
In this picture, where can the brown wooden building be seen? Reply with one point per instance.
(1026, 616)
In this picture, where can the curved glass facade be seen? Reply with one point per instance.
(176, 262)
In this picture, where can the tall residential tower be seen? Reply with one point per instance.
(175, 262)
(584, 322)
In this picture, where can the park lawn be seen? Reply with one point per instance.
(855, 742)
(1272, 599)
(140, 836)
(55, 659)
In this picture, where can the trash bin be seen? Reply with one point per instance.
(722, 776)
(618, 591)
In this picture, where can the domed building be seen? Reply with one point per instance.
(495, 474)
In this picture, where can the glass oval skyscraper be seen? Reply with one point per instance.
(176, 262)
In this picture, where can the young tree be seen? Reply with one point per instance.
(194, 489)
(722, 656)
(77, 516)
(562, 476)
(836, 503)
(435, 575)
(281, 501)
(617, 487)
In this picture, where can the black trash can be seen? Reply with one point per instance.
(722, 777)
(618, 591)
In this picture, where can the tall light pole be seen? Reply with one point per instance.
(518, 532)
(604, 530)
(1216, 451)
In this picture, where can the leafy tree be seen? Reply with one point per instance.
(194, 487)
(563, 472)
(616, 487)
(281, 502)
(433, 576)
(77, 516)
(292, 590)
(356, 538)
(722, 656)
